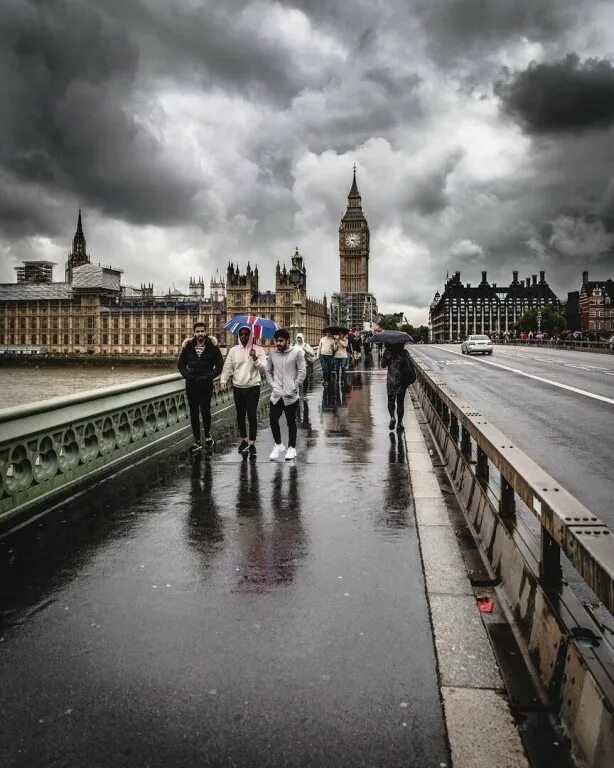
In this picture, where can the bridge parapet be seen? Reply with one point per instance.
(50, 446)
(495, 481)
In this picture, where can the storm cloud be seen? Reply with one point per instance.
(566, 95)
(196, 133)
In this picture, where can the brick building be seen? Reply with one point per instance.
(596, 302)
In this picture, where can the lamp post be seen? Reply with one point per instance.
(539, 320)
(297, 303)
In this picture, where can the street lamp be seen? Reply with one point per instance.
(539, 320)
(297, 302)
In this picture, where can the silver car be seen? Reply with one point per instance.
(477, 343)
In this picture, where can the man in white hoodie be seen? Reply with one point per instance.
(244, 363)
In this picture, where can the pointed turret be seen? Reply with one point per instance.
(354, 188)
(78, 254)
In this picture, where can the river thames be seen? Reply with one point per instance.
(25, 384)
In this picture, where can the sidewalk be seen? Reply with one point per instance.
(270, 614)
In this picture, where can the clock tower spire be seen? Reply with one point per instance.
(354, 245)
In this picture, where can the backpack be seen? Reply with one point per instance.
(407, 369)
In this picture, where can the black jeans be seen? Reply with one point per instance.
(199, 400)
(246, 403)
(275, 412)
(399, 401)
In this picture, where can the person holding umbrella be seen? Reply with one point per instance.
(200, 362)
(244, 363)
(326, 352)
(285, 372)
(400, 373)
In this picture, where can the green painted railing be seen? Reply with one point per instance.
(51, 446)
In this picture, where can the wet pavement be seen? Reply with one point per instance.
(227, 612)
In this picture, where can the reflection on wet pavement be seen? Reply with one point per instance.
(229, 612)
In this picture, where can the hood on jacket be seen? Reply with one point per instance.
(212, 339)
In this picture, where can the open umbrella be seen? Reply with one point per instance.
(392, 337)
(262, 327)
(340, 329)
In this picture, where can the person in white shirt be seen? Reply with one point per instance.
(244, 364)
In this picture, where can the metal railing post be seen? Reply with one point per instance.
(481, 469)
(550, 571)
(465, 442)
(454, 426)
(507, 502)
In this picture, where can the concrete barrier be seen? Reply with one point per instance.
(571, 652)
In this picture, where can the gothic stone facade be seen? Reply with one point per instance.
(92, 313)
(354, 305)
(289, 305)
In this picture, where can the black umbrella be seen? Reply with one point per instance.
(340, 329)
(392, 337)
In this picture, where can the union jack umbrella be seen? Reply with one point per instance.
(262, 327)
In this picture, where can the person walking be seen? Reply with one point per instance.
(244, 363)
(400, 374)
(285, 372)
(310, 358)
(200, 362)
(341, 357)
(326, 350)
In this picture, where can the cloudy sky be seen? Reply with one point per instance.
(193, 132)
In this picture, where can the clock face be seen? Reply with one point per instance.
(352, 241)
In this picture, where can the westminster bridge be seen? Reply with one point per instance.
(426, 598)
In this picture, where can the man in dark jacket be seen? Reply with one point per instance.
(200, 362)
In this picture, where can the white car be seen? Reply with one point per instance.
(477, 343)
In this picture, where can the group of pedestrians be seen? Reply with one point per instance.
(201, 362)
(285, 368)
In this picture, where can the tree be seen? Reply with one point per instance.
(420, 332)
(552, 322)
(390, 322)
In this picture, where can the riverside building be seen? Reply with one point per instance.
(485, 308)
(91, 312)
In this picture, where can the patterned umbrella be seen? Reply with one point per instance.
(262, 327)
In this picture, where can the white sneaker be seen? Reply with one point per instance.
(277, 451)
(290, 454)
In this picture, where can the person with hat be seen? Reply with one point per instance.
(243, 365)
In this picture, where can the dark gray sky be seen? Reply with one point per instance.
(196, 132)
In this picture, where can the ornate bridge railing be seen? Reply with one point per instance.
(51, 446)
(506, 498)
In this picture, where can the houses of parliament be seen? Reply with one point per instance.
(92, 312)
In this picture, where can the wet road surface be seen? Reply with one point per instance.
(568, 433)
(224, 612)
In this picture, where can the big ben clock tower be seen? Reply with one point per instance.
(354, 245)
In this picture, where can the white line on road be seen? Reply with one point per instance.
(545, 381)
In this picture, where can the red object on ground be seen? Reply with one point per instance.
(485, 605)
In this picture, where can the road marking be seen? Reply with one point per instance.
(545, 381)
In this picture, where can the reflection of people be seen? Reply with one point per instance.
(199, 363)
(243, 365)
(400, 375)
(269, 551)
(285, 372)
(248, 493)
(205, 527)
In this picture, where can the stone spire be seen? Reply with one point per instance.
(78, 254)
